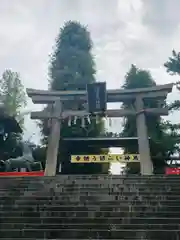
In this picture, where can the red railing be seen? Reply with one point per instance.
(22, 174)
(173, 171)
(169, 171)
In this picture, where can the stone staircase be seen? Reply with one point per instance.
(90, 207)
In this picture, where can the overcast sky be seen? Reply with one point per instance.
(142, 32)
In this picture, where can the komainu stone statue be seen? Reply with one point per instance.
(25, 161)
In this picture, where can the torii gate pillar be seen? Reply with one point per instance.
(143, 140)
(53, 141)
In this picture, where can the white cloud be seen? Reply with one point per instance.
(162, 16)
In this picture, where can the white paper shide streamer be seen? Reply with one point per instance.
(85, 120)
(69, 122)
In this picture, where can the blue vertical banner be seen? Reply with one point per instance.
(97, 97)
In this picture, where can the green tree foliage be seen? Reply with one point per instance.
(72, 64)
(173, 64)
(173, 68)
(13, 100)
(72, 67)
(12, 91)
(163, 137)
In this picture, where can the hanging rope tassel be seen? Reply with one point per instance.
(88, 120)
(110, 122)
(83, 123)
(97, 119)
(69, 122)
(49, 123)
(75, 120)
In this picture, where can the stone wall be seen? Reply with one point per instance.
(90, 207)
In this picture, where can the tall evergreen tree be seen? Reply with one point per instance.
(72, 64)
(72, 67)
(164, 141)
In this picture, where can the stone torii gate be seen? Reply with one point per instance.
(138, 96)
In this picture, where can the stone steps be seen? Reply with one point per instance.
(91, 220)
(93, 199)
(96, 205)
(90, 207)
(60, 181)
(89, 179)
(66, 238)
(154, 188)
(49, 233)
(125, 194)
(97, 191)
(93, 183)
(89, 214)
(43, 195)
(93, 226)
(83, 200)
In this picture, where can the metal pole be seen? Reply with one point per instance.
(53, 141)
(143, 141)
